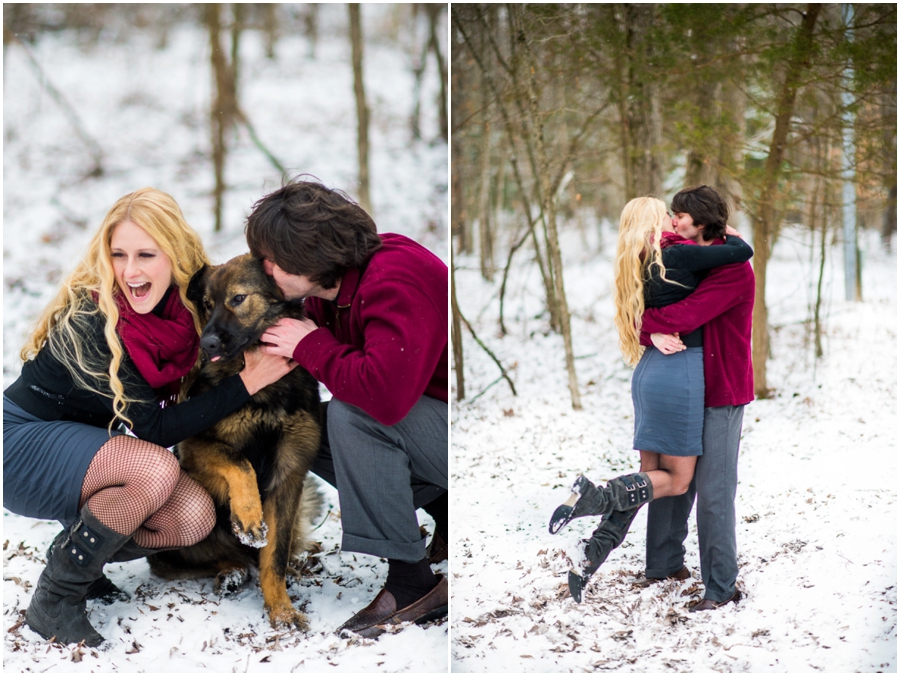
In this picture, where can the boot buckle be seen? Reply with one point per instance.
(78, 556)
(88, 538)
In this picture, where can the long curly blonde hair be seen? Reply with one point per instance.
(64, 325)
(638, 248)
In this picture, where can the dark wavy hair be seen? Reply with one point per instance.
(308, 229)
(706, 206)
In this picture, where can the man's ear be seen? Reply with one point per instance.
(196, 286)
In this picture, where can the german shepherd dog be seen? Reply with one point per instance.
(254, 462)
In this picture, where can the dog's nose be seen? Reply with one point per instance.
(210, 344)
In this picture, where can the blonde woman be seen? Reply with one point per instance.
(110, 350)
(654, 267)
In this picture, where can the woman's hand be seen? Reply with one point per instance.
(731, 232)
(262, 369)
(667, 343)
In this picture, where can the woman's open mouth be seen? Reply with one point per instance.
(139, 291)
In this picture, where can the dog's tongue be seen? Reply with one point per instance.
(216, 358)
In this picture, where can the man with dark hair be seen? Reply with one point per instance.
(376, 337)
(723, 305)
(702, 205)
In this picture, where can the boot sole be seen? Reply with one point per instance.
(561, 516)
(576, 586)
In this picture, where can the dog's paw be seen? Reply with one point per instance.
(230, 580)
(287, 617)
(250, 534)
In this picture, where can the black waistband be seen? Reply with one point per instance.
(694, 338)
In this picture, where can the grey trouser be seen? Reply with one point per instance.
(715, 486)
(383, 474)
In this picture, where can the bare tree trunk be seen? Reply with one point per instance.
(434, 11)
(270, 27)
(523, 102)
(715, 163)
(485, 237)
(889, 221)
(621, 95)
(456, 338)
(223, 106)
(817, 313)
(764, 230)
(889, 117)
(549, 206)
(459, 215)
(644, 112)
(362, 111)
(511, 133)
(237, 28)
(311, 22)
(418, 74)
(485, 228)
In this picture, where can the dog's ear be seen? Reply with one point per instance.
(196, 285)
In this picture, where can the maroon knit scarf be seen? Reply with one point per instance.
(164, 348)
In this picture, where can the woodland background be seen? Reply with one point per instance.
(561, 113)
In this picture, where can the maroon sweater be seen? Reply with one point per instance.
(382, 343)
(723, 305)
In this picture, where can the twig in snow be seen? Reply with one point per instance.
(492, 356)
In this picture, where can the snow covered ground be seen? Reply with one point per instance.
(147, 108)
(816, 505)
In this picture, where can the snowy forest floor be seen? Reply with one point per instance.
(816, 503)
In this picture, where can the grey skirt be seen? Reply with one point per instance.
(667, 391)
(44, 463)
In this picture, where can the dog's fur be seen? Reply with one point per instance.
(254, 462)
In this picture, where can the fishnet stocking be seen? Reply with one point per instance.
(135, 487)
(187, 517)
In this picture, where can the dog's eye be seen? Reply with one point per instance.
(237, 300)
(207, 305)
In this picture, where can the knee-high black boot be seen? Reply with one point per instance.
(605, 538)
(57, 607)
(625, 492)
(103, 589)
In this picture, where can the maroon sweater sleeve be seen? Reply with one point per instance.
(723, 288)
(404, 335)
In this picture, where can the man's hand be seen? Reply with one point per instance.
(731, 232)
(667, 343)
(282, 339)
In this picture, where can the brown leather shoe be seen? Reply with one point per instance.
(707, 604)
(374, 619)
(645, 582)
(437, 549)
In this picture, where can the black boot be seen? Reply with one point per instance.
(607, 536)
(625, 492)
(102, 589)
(131, 551)
(58, 605)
